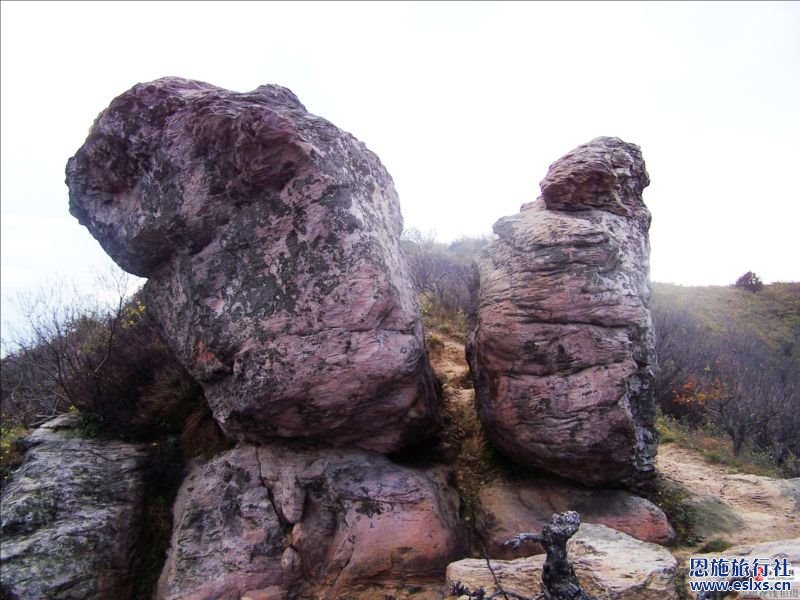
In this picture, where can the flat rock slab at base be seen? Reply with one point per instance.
(505, 509)
(71, 516)
(279, 520)
(563, 352)
(609, 565)
(271, 243)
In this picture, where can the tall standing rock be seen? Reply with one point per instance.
(271, 242)
(563, 351)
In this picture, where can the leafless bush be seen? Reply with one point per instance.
(731, 379)
(104, 358)
(443, 274)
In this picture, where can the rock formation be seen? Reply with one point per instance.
(71, 516)
(283, 521)
(562, 354)
(503, 510)
(271, 242)
(608, 564)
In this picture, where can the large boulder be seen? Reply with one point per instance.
(503, 510)
(271, 242)
(283, 521)
(71, 517)
(609, 565)
(563, 353)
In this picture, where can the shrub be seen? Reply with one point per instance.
(444, 278)
(714, 546)
(434, 343)
(731, 379)
(11, 450)
(107, 361)
(750, 281)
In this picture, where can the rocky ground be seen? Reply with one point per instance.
(740, 509)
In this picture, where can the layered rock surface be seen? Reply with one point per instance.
(71, 516)
(609, 565)
(271, 242)
(282, 521)
(562, 354)
(505, 509)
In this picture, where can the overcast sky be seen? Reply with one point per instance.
(466, 104)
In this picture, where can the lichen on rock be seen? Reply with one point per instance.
(563, 351)
(306, 522)
(271, 242)
(71, 517)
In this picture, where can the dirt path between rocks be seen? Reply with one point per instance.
(449, 361)
(450, 364)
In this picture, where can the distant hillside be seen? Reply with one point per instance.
(772, 313)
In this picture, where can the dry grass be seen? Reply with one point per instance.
(11, 451)
(715, 447)
(434, 344)
(773, 313)
(202, 436)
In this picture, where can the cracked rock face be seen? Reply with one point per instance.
(563, 351)
(282, 522)
(71, 516)
(271, 242)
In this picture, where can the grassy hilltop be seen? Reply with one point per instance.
(772, 313)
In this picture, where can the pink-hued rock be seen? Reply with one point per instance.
(272, 520)
(271, 242)
(562, 354)
(506, 509)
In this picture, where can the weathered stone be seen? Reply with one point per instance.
(609, 565)
(308, 523)
(71, 516)
(711, 516)
(616, 566)
(271, 242)
(505, 509)
(562, 354)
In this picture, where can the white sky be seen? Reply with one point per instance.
(466, 104)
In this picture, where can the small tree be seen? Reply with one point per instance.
(750, 281)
